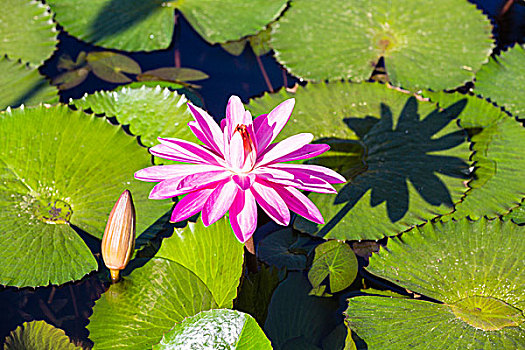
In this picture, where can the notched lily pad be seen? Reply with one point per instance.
(336, 260)
(418, 42)
(474, 268)
(53, 174)
(275, 250)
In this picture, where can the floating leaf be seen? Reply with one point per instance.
(345, 40)
(21, 84)
(502, 77)
(38, 335)
(336, 260)
(474, 268)
(517, 215)
(216, 329)
(148, 25)
(498, 145)
(71, 79)
(108, 66)
(27, 30)
(275, 250)
(294, 314)
(172, 74)
(150, 112)
(193, 268)
(405, 160)
(60, 167)
(260, 43)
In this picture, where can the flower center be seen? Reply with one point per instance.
(250, 152)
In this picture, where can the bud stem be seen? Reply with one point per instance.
(114, 275)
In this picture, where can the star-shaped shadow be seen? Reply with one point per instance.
(384, 159)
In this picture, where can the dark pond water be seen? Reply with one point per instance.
(69, 306)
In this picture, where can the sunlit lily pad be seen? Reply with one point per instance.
(498, 146)
(335, 260)
(405, 160)
(196, 269)
(148, 25)
(216, 329)
(27, 30)
(474, 268)
(503, 78)
(59, 168)
(21, 84)
(419, 42)
(38, 335)
(296, 318)
(150, 112)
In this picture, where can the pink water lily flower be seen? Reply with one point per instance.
(239, 166)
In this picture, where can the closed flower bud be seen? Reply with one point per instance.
(119, 237)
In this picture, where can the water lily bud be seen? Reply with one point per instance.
(119, 237)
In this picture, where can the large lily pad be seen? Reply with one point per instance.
(405, 159)
(502, 78)
(345, 39)
(474, 268)
(27, 30)
(150, 112)
(59, 168)
(196, 269)
(216, 329)
(38, 335)
(148, 24)
(21, 84)
(498, 143)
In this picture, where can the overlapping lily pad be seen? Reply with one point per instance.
(498, 145)
(22, 84)
(196, 269)
(502, 78)
(216, 329)
(59, 168)
(38, 335)
(150, 112)
(148, 25)
(345, 39)
(474, 268)
(27, 30)
(404, 159)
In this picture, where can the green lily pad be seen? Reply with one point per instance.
(172, 74)
(21, 84)
(260, 43)
(336, 260)
(517, 215)
(296, 317)
(216, 329)
(59, 168)
(345, 40)
(193, 268)
(498, 145)
(110, 66)
(38, 335)
(148, 25)
(197, 248)
(474, 268)
(405, 160)
(27, 30)
(150, 111)
(502, 78)
(275, 251)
